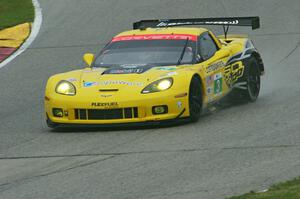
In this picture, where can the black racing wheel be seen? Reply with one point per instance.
(195, 99)
(252, 77)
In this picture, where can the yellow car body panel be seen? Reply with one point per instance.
(118, 92)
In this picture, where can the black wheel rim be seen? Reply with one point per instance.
(195, 99)
(254, 82)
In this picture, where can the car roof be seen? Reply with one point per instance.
(177, 30)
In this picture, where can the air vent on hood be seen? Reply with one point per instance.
(108, 90)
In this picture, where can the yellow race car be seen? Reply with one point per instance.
(157, 72)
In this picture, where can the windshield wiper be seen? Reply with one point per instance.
(183, 51)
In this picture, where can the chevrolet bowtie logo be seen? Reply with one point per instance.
(105, 95)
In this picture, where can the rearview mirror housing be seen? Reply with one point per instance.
(88, 58)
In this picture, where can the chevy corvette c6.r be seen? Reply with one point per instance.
(157, 72)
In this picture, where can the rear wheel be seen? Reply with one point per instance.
(252, 83)
(253, 80)
(195, 99)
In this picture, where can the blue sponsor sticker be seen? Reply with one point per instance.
(209, 90)
(88, 84)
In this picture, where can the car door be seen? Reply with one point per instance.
(213, 59)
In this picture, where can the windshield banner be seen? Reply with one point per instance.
(155, 37)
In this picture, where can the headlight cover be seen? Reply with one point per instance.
(159, 85)
(65, 88)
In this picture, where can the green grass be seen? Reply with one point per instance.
(14, 12)
(287, 190)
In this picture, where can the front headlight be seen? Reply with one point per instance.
(159, 85)
(65, 88)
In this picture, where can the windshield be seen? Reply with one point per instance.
(146, 52)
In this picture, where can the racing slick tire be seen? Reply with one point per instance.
(252, 87)
(195, 99)
(252, 76)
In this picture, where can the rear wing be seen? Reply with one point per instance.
(226, 21)
(222, 21)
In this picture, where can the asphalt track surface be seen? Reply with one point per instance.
(234, 150)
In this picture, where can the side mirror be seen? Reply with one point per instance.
(88, 58)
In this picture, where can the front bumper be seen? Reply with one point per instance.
(141, 110)
(158, 123)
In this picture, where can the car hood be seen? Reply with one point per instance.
(123, 78)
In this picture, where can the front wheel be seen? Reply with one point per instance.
(195, 99)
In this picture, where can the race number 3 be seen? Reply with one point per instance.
(218, 83)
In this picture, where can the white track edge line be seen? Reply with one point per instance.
(38, 19)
